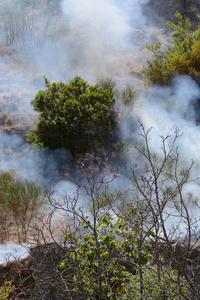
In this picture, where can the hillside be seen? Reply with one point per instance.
(103, 197)
(162, 10)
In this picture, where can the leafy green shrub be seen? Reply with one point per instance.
(127, 95)
(75, 116)
(106, 263)
(124, 264)
(180, 58)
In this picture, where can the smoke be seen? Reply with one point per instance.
(106, 31)
(89, 38)
(86, 39)
(96, 34)
(10, 251)
(97, 37)
(168, 108)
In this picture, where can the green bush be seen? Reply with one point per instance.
(180, 58)
(75, 116)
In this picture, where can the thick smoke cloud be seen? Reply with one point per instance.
(168, 108)
(165, 109)
(107, 31)
(95, 35)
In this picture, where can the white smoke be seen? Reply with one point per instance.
(106, 30)
(10, 251)
(97, 34)
(168, 108)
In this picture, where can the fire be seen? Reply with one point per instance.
(66, 174)
(89, 168)
(112, 175)
(119, 115)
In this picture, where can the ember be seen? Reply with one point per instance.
(66, 174)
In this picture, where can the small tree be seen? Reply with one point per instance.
(105, 256)
(109, 252)
(128, 238)
(75, 116)
(182, 57)
(129, 244)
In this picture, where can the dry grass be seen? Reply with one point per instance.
(17, 89)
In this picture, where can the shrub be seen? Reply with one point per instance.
(180, 58)
(75, 116)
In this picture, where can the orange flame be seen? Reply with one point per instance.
(66, 174)
(89, 168)
(119, 115)
(111, 175)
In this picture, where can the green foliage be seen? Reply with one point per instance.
(6, 289)
(22, 194)
(158, 287)
(180, 58)
(15, 191)
(118, 249)
(124, 256)
(106, 82)
(20, 199)
(6, 178)
(128, 95)
(75, 116)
